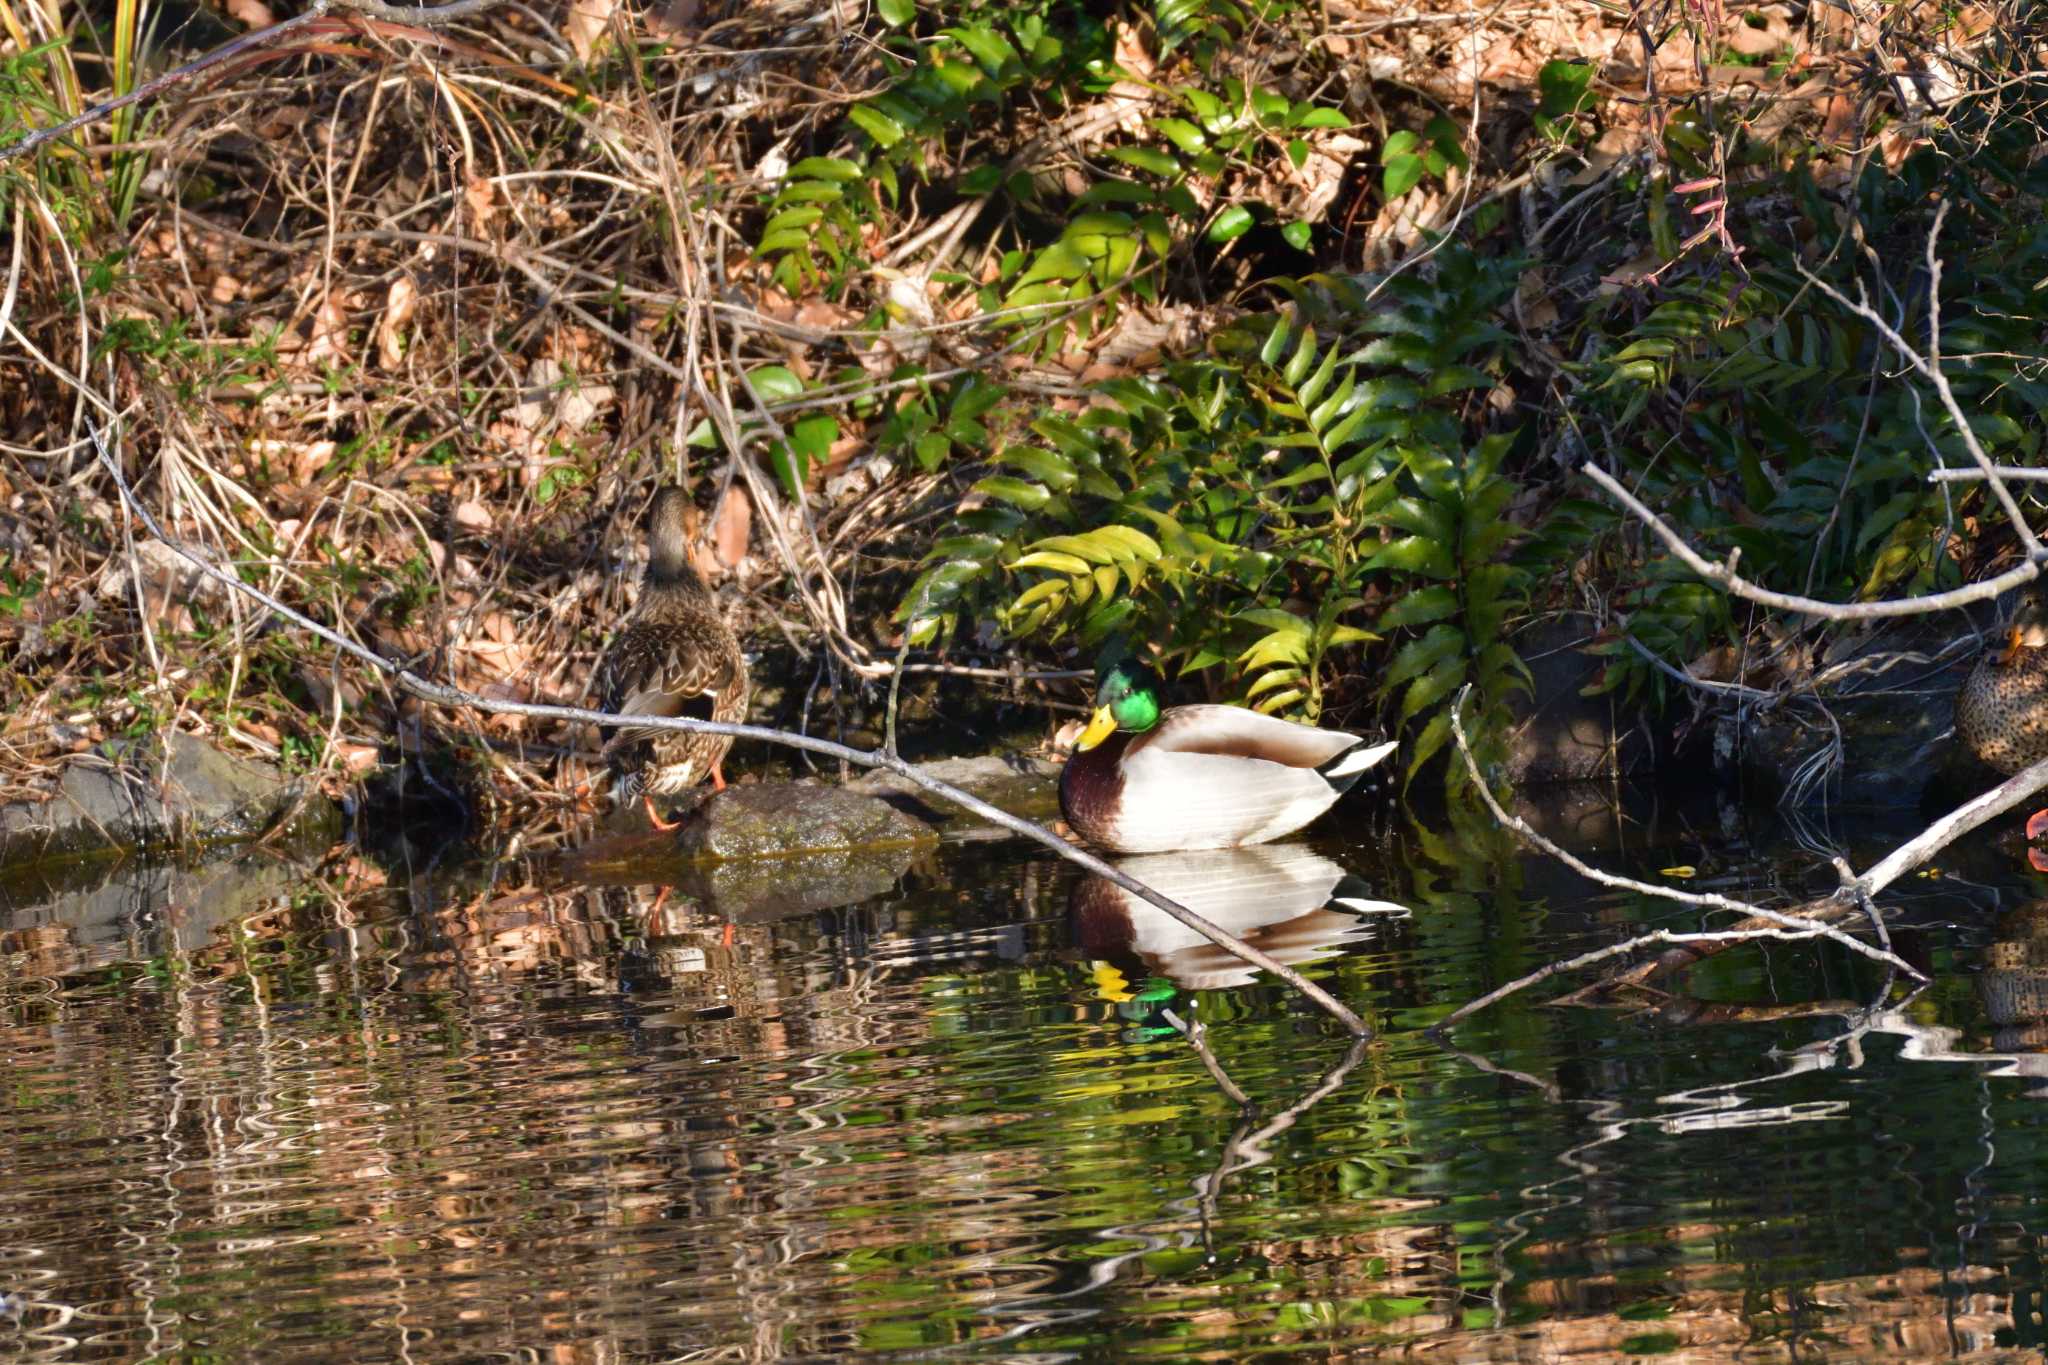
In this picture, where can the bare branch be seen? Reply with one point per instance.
(1731, 581)
(1929, 368)
(419, 16)
(442, 694)
(2004, 471)
(2007, 795)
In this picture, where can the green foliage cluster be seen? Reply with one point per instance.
(1307, 488)
(950, 77)
(1762, 418)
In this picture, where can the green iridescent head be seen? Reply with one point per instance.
(1127, 698)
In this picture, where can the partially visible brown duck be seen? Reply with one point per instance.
(673, 656)
(2002, 711)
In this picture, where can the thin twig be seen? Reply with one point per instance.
(442, 694)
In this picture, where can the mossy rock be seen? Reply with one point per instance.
(174, 793)
(782, 819)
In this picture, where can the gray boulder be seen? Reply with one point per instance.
(173, 792)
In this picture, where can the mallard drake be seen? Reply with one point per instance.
(1146, 780)
(2002, 710)
(673, 656)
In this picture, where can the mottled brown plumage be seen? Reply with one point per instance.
(673, 656)
(2002, 711)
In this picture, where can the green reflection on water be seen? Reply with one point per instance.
(481, 1112)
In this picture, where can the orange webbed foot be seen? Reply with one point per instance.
(2037, 825)
(662, 826)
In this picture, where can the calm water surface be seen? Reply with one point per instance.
(477, 1112)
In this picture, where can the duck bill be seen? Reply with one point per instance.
(2014, 643)
(1101, 726)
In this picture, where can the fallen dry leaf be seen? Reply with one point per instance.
(399, 305)
(482, 198)
(586, 25)
(356, 758)
(327, 339)
(254, 13)
(1763, 39)
(731, 524)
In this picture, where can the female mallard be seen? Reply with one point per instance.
(1143, 780)
(2002, 711)
(674, 656)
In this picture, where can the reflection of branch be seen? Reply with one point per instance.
(1773, 923)
(442, 694)
(1244, 1147)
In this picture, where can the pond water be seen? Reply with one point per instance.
(476, 1112)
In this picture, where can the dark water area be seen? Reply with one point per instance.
(474, 1112)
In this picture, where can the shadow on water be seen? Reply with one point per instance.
(438, 1105)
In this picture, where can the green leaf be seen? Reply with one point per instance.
(1182, 134)
(1147, 159)
(774, 383)
(1275, 342)
(1130, 542)
(885, 131)
(1272, 678)
(1415, 554)
(1424, 746)
(1311, 388)
(791, 468)
(1230, 224)
(1054, 470)
(826, 168)
(1281, 647)
(1275, 618)
(1432, 687)
(813, 436)
(1417, 657)
(1562, 87)
(1448, 140)
(1017, 492)
(1060, 261)
(1297, 235)
(896, 13)
(1437, 602)
(1304, 356)
(988, 47)
(1051, 559)
(1402, 173)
